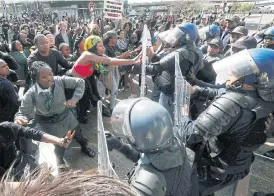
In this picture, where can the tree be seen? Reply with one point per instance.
(235, 7)
(241, 7)
(246, 7)
(187, 7)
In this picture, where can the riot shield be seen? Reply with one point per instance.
(146, 41)
(104, 166)
(181, 95)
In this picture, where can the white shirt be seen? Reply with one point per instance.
(65, 37)
(40, 90)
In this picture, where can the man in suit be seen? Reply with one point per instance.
(63, 36)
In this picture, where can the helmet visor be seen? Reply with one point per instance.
(234, 67)
(163, 35)
(174, 36)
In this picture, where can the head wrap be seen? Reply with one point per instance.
(90, 45)
(91, 42)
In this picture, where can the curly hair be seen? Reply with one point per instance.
(127, 23)
(73, 183)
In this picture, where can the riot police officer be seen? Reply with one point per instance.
(165, 166)
(268, 41)
(207, 34)
(182, 40)
(232, 127)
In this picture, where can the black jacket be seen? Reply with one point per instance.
(11, 62)
(231, 128)
(52, 60)
(9, 133)
(164, 70)
(59, 40)
(9, 101)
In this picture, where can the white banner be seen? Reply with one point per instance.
(113, 9)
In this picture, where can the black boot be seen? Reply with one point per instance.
(269, 154)
(84, 147)
(106, 111)
(106, 108)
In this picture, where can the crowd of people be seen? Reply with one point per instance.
(65, 68)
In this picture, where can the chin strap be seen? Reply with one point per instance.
(235, 86)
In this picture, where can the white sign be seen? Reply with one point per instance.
(113, 9)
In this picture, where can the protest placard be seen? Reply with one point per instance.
(113, 9)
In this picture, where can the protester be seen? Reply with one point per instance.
(16, 161)
(232, 23)
(207, 74)
(9, 99)
(50, 56)
(20, 57)
(52, 108)
(63, 36)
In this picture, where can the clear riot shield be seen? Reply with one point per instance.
(104, 166)
(146, 41)
(181, 95)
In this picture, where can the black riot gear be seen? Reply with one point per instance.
(232, 126)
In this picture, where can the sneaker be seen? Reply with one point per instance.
(132, 96)
(62, 168)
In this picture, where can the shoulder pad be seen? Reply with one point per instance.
(243, 101)
(191, 54)
(148, 181)
(215, 119)
(184, 54)
(168, 61)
